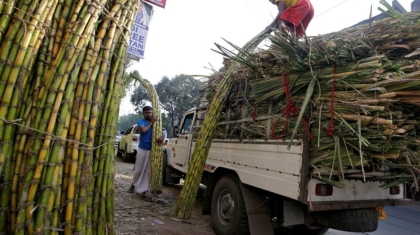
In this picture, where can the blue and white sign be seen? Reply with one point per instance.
(139, 32)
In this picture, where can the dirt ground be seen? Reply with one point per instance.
(134, 215)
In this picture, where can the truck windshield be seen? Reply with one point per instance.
(186, 126)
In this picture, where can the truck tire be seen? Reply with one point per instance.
(164, 164)
(356, 220)
(228, 212)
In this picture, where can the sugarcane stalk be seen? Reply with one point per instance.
(156, 152)
(61, 106)
(16, 156)
(199, 156)
(72, 37)
(10, 47)
(107, 151)
(62, 16)
(53, 75)
(90, 121)
(107, 132)
(111, 192)
(29, 40)
(86, 108)
(366, 119)
(7, 10)
(99, 162)
(39, 168)
(19, 163)
(5, 193)
(64, 109)
(58, 174)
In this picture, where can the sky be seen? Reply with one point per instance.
(181, 36)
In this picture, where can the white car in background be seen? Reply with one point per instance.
(118, 136)
(127, 147)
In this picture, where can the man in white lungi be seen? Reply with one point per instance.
(142, 169)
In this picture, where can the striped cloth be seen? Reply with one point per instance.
(288, 3)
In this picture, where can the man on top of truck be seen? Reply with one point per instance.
(294, 14)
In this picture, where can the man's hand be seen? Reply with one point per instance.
(159, 140)
(269, 28)
(153, 120)
(277, 22)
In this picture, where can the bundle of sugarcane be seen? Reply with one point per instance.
(61, 66)
(394, 36)
(156, 182)
(356, 92)
(196, 166)
(363, 108)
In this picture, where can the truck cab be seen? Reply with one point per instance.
(260, 186)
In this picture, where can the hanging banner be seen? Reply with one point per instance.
(159, 3)
(139, 32)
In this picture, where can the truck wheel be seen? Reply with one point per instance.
(356, 220)
(126, 157)
(118, 150)
(164, 164)
(228, 212)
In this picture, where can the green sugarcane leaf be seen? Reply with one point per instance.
(330, 182)
(395, 182)
(305, 103)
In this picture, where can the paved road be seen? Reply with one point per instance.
(401, 220)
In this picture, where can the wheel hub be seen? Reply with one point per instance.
(227, 206)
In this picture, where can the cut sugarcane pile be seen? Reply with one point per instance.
(61, 69)
(358, 92)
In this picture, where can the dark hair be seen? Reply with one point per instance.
(147, 108)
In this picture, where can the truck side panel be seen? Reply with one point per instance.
(261, 165)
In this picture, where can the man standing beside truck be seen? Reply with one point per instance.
(294, 14)
(142, 168)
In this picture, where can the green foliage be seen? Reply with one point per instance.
(128, 80)
(124, 122)
(166, 123)
(140, 98)
(176, 96)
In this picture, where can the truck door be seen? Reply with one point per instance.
(183, 143)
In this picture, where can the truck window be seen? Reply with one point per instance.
(186, 126)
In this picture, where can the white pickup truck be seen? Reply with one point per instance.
(260, 186)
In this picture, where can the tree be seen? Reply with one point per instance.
(176, 95)
(166, 123)
(124, 122)
(140, 96)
